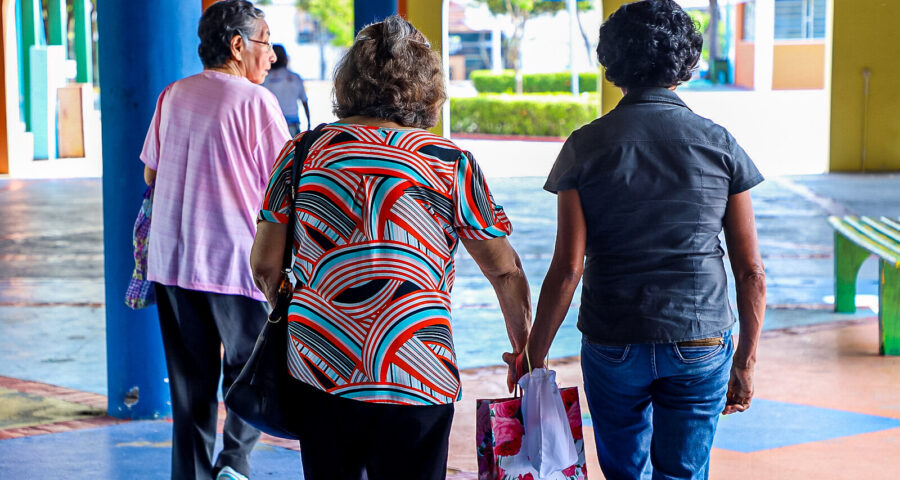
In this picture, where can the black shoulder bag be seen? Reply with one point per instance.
(263, 393)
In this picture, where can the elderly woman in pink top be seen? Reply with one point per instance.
(209, 149)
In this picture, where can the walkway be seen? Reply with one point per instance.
(827, 406)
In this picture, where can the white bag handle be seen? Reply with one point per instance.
(548, 439)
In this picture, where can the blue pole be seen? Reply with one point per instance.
(143, 47)
(370, 11)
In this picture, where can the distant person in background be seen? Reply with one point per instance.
(209, 148)
(288, 88)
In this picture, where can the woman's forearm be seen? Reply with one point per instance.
(562, 277)
(502, 267)
(553, 305)
(749, 275)
(266, 257)
(751, 301)
(515, 303)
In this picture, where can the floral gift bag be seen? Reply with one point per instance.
(498, 437)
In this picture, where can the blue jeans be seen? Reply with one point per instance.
(655, 406)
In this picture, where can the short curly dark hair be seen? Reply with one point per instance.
(219, 24)
(390, 73)
(651, 43)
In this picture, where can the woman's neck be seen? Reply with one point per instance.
(373, 122)
(230, 67)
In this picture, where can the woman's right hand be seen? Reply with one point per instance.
(515, 368)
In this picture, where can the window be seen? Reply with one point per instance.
(800, 19)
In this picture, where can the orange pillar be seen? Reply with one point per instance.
(4, 122)
(207, 3)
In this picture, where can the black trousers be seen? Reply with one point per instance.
(195, 326)
(343, 439)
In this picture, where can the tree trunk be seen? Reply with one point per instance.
(592, 60)
(514, 54)
(713, 39)
(518, 18)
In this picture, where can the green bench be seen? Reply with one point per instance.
(855, 240)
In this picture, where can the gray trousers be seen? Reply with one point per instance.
(195, 327)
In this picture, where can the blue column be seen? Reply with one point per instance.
(370, 11)
(143, 47)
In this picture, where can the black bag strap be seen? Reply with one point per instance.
(301, 150)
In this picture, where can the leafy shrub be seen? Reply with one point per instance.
(486, 82)
(531, 115)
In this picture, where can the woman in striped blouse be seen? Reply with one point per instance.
(381, 207)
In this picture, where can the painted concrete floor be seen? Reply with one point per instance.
(828, 406)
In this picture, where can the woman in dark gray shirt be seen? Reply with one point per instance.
(644, 192)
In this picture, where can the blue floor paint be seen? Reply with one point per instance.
(770, 424)
(132, 451)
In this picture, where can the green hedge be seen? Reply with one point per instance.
(532, 115)
(486, 82)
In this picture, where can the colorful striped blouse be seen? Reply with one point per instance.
(380, 212)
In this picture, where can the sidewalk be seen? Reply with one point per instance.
(827, 406)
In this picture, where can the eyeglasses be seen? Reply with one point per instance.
(267, 44)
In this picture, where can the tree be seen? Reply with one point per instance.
(519, 12)
(333, 18)
(336, 16)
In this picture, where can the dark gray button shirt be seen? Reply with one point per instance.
(654, 179)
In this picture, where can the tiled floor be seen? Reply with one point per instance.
(827, 406)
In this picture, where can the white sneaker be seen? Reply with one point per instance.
(228, 473)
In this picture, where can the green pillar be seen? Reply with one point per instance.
(848, 257)
(58, 24)
(19, 60)
(83, 41)
(32, 27)
(889, 308)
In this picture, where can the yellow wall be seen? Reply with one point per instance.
(798, 65)
(866, 34)
(426, 15)
(609, 93)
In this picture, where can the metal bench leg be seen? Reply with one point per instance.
(889, 309)
(848, 258)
